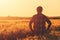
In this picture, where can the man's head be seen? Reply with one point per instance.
(39, 9)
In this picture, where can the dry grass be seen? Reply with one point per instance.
(13, 29)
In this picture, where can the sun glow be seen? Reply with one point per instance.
(27, 8)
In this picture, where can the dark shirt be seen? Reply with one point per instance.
(39, 22)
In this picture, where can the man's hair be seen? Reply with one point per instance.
(39, 7)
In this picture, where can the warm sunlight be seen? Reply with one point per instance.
(18, 23)
(27, 8)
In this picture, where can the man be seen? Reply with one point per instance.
(39, 21)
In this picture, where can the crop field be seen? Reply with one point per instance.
(11, 29)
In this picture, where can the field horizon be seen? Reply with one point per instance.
(13, 27)
(14, 18)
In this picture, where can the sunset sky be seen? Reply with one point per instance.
(27, 8)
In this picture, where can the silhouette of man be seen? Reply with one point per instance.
(39, 21)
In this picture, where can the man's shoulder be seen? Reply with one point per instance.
(44, 15)
(35, 15)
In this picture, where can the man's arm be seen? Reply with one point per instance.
(30, 24)
(49, 22)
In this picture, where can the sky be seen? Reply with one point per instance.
(27, 8)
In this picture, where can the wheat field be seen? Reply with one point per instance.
(12, 28)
